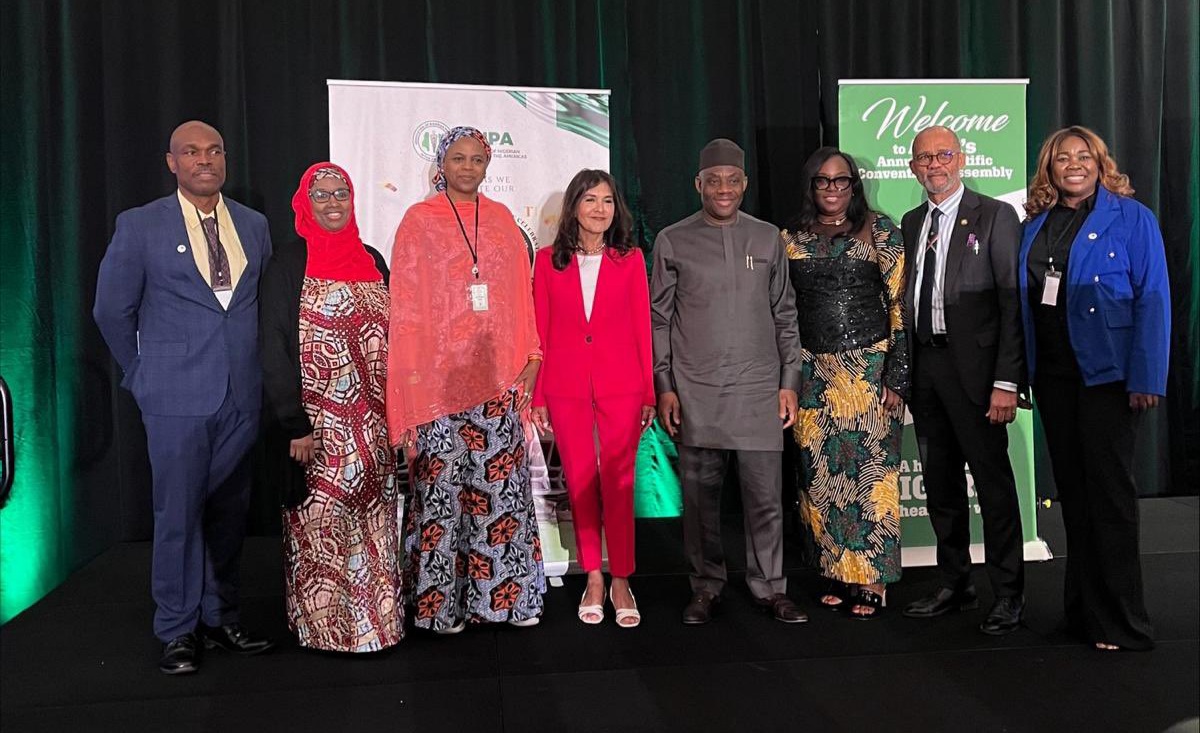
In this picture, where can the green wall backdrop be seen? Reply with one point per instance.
(92, 89)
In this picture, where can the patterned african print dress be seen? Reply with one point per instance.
(341, 545)
(472, 547)
(849, 296)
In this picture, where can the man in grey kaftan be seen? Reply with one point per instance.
(726, 369)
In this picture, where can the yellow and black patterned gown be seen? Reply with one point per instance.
(849, 296)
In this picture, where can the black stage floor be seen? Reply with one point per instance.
(83, 659)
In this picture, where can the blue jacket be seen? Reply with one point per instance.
(1118, 300)
(177, 346)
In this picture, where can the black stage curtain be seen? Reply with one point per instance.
(91, 91)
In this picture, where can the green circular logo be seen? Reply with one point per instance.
(426, 138)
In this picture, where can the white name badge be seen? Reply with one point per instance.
(1050, 291)
(479, 297)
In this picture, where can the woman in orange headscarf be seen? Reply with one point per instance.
(463, 364)
(323, 326)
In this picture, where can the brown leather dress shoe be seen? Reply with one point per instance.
(181, 655)
(233, 638)
(784, 609)
(699, 610)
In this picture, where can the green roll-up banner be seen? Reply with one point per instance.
(878, 119)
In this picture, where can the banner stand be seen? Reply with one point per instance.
(878, 119)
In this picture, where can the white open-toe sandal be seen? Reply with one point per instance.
(585, 611)
(626, 613)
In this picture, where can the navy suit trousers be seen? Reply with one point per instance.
(201, 491)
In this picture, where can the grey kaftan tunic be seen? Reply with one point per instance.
(726, 338)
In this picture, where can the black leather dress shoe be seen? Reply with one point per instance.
(942, 601)
(233, 638)
(783, 609)
(181, 655)
(699, 610)
(1004, 617)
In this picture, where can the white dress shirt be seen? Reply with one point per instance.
(946, 223)
(949, 209)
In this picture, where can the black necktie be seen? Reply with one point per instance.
(928, 275)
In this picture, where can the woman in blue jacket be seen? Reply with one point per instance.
(1096, 311)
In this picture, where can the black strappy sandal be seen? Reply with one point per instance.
(837, 589)
(870, 599)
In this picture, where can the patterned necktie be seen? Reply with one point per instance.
(928, 275)
(218, 263)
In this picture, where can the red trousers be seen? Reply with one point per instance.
(600, 487)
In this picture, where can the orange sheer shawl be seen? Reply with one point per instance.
(443, 356)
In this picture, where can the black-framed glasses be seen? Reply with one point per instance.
(322, 196)
(926, 159)
(839, 183)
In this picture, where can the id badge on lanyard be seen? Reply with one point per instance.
(1053, 276)
(1050, 289)
(479, 296)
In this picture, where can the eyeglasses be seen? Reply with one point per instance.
(841, 183)
(926, 159)
(322, 196)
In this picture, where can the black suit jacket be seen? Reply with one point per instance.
(980, 293)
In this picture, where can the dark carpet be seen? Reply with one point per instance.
(83, 659)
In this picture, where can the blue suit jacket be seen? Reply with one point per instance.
(1118, 300)
(175, 343)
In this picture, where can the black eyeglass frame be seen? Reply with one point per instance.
(322, 196)
(924, 160)
(838, 183)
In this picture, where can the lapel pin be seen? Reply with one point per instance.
(181, 249)
(962, 222)
(1091, 235)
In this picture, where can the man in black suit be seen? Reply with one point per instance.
(963, 316)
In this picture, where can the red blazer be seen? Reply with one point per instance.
(608, 355)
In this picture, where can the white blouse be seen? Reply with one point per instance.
(589, 271)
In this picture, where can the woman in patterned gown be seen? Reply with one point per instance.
(847, 267)
(323, 327)
(463, 368)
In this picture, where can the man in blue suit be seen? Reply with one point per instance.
(177, 303)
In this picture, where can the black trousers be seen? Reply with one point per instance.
(952, 431)
(1091, 434)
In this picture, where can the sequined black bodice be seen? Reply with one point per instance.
(840, 302)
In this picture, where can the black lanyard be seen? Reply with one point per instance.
(1052, 247)
(472, 248)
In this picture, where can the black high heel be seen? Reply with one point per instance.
(870, 599)
(837, 589)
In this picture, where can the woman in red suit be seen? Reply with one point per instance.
(592, 304)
